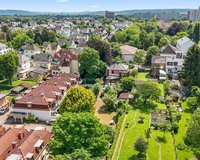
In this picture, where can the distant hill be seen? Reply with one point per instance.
(99, 13)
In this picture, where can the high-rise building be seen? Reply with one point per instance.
(194, 15)
(110, 15)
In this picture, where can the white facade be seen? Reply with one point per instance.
(127, 58)
(174, 62)
(4, 49)
(40, 114)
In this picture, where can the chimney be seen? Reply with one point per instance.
(55, 83)
(42, 94)
(14, 144)
(20, 136)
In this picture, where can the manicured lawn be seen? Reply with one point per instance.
(142, 76)
(132, 133)
(183, 124)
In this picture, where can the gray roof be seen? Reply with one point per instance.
(2, 96)
(17, 89)
(128, 50)
(183, 41)
(30, 46)
(42, 58)
(168, 49)
(2, 45)
(119, 66)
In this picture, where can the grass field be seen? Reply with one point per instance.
(159, 148)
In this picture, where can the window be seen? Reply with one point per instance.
(175, 63)
(170, 63)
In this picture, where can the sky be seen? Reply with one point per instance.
(95, 5)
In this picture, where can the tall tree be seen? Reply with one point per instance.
(191, 74)
(78, 99)
(9, 65)
(152, 51)
(196, 32)
(139, 57)
(74, 131)
(103, 47)
(164, 41)
(148, 90)
(91, 67)
(193, 131)
(20, 40)
(141, 146)
(127, 83)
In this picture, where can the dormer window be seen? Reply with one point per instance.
(29, 104)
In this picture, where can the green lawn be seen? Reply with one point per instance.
(142, 76)
(183, 124)
(132, 134)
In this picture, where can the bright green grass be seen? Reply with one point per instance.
(127, 151)
(142, 76)
(167, 148)
(183, 124)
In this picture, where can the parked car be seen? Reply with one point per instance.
(4, 110)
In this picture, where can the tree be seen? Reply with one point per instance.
(96, 88)
(91, 67)
(148, 90)
(102, 47)
(109, 100)
(175, 28)
(196, 32)
(78, 99)
(148, 134)
(192, 103)
(191, 67)
(141, 146)
(143, 37)
(164, 41)
(139, 57)
(152, 51)
(193, 131)
(164, 129)
(9, 65)
(74, 131)
(78, 154)
(127, 83)
(166, 87)
(20, 40)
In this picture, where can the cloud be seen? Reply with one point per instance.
(61, 1)
(94, 6)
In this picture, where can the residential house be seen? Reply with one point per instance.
(174, 59)
(170, 60)
(65, 61)
(4, 49)
(44, 99)
(42, 61)
(33, 147)
(184, 44)
(128, 53)
(51, 48)
(24, 66)
(29, 50)
(116, 71)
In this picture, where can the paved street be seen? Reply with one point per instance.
(3, 119)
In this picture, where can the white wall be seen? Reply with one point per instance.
(42, 115)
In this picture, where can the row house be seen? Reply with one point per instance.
(18, 143)
(44, 99)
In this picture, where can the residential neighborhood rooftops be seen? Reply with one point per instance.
(168, 49)
(128, 50)
(119, 66)
(42, 58)
(184, 40)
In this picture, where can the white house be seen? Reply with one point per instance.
(29, 50)
(4, 49)
(174, 59)
(24, 66)
(127, 53)
(184, 44)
